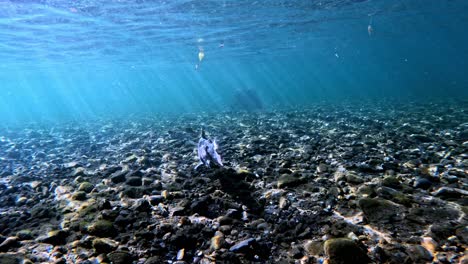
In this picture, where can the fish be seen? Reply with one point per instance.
(207, 151)
(370, 29)
(201, 55)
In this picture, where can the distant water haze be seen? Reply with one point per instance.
(87, 59)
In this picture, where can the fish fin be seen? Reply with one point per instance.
(215, 145)
(201, 150)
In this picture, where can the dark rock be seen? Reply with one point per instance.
(104, 205)
(133, 192)
(86, 187)
(201, 205)
(154, 260)
(441, 231)
(449, 178)
(313, 247)
(344, 251)
(422, 183)
(287, 180)
(134, 181)
(122, 220)
(147, 181)
(392, 182)
(367, 168)
(353, 178)
(79, 196)
(120, 257)
(243, 246)
(80, 171)
(24, 235)
(449, 193)
(391, 165)
(118, 177)
(135, 173)
(14, 154)
(142, 205)
(178, 211)
(233, 213)
(10, 259)
(376, 209)
(322, 168)
(419, 254)
(9, 243)
(104, 245)
(61, 260)
(462, 233)
(42, 211)
(420, 138)
(225, 220)
(394, 195)
(366, 190)
(110, 170)
(187, 236)
(296, 252)
(285, 171)
(102, 228)
(55, 237)
(155, 199)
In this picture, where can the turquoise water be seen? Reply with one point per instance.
(94, 58)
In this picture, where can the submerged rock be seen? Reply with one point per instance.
(299, 176)
(419, 254)
(55, 237)
(9, 243)
(86, 187)
(104, 245)
(449, 193)
(118, 177)
(102, 228)
(290, 181)
(243, 246)
(79, 196)
(422, 183)
(11, 259)
(344, 251)
(379, 210)
(120, 257)
(391, 181)
(24, 234)
(134, 181)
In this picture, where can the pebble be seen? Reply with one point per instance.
(104, 245)
(9, 243)
(422, 183)
(319, 173)
(449, 193)
(55, 237)
(242, 245)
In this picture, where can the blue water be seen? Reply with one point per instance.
(65, 59)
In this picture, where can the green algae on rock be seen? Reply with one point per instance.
(86, 187)
(378, 210)
(104, 245)
(102, 228)
(79, 196)
(288, 180)
(344, 251)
